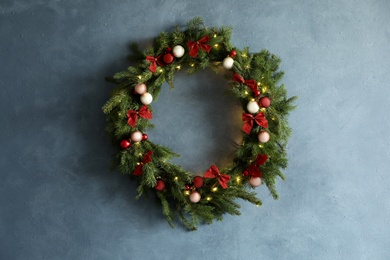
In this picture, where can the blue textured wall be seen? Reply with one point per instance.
(58, 198)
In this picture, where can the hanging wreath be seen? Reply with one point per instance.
(261, 154)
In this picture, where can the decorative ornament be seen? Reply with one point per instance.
(160, 186)
(255, 181)
(136, 136)
(228, 63)
(140, 88)
(125, 143)
(178, 51)
(150, 164)
(146, 98)
(195, 197)
(263, 137)
(265, 102)
(198, 182)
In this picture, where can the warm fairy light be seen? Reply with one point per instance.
(187, 192)
(258, 205)
(208, 198)
(140, 154)
(216, 45)
(247, 67)
(178, 67)
(160, 70)
(238, 179)
(137, 144)
(215, 35)
(176, 178)
(261, 146)
(258, 83)
(246, 93)
(119, 114)
(214, 189)
(139, 76)
(264, 89)
(192, 64)
(244, 55)
(138, 163)
(273, 118)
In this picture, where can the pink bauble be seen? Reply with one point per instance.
(136, 136)
(263, 136)
(265, 102)
(140, 88)
(255, 181)
(195, 197)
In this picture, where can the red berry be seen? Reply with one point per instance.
(169, 49)
(257, 93)
(168, 58)
(125, 143)
(265, 102)
(233, 53)
(245, 172)
(198, 182)
(160, 185)
(144, 137)
(188, 187)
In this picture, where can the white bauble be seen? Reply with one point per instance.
(255, 181)
(136, 136)
(263, 136)
(253, 107)
(228, 63)
(178, 51)
(195, 197)
(140, 88)
(146, 98)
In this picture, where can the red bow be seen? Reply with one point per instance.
(213, 172)
(193, 46)
(249, 118)
(251, 83)
(143, 112)
(154, 62)
(253, 169)
(139, 168)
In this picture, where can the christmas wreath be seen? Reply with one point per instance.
(252, 79)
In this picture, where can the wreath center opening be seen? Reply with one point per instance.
(198, 119)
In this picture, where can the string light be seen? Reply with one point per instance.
(258, 84)
(216, 45)
(178, 67)
(208, 198)
(187, 192)
(246, 93)
(215, 35)
(214, 189)
(192, 64)
(273, 118)
(261, 146)
(139, 77)
(176, 178)
(238, 179)
(244, 55)
(264, 89)
(160, 70)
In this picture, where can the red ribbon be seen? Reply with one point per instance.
(146, 159)
(213, 172)
(253, 169)
(194, 46)
(251, 83)
(143, 112)
(153, 63)
(249, 119)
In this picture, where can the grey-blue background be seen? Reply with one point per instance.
(60, 201)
